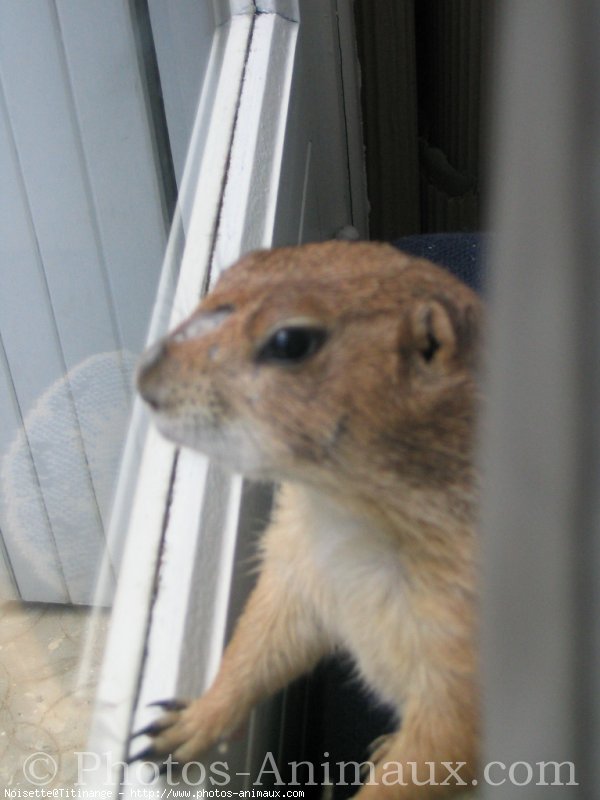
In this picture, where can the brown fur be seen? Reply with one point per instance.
(372, 546)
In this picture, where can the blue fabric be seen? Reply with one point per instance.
(460, 253)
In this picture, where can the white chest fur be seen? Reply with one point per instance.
(364, 596)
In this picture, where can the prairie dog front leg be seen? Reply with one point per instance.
(434, 754)
(277, 638)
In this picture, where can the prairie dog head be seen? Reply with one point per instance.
(334, 364)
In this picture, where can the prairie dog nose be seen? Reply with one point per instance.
(148, 377)
(155, 370)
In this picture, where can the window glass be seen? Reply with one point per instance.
(89, 184)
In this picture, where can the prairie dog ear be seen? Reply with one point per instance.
(433, 333)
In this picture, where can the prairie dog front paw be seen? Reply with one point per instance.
(184, 731)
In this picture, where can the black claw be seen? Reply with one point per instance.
(169, 705)
(152, 729)
(147, 754)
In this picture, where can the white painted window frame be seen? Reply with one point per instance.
(174, 503)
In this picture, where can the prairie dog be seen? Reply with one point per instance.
(346, 372)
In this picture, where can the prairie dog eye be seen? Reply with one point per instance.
(291, 344)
